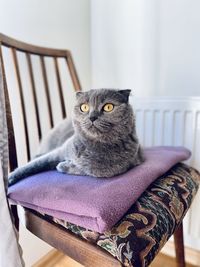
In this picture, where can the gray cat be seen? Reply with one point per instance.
(102, 141)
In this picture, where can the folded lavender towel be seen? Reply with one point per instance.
(94, 203)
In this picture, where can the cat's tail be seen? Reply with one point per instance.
(46, 162)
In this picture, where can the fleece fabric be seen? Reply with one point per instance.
(94, 203)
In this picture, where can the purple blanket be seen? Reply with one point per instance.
(94, 203)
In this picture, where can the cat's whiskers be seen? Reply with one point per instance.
(95, 127)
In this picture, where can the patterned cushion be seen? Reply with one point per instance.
(149, 223)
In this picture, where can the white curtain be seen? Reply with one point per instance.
(10, 251)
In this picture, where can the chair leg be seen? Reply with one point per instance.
(15, 216)
(179, 246)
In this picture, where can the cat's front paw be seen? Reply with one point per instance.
(69, 168)
(63, 166)
(13, 178)
(17, 175)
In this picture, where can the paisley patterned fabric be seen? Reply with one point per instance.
(149, 223)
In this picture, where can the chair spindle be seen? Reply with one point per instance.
(30, 68)
(16, 65)
(60, 87)
(46, 85)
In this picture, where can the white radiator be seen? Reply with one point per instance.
(174, 122)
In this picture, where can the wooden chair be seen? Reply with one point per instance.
(63, 240)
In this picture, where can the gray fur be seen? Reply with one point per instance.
(106, 147)
(56, 137)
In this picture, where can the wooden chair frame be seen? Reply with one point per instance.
(63, 240)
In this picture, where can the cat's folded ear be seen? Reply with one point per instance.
(78, 94)
(125, 93)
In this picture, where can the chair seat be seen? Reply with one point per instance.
(149, 223)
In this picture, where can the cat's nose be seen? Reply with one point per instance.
(93, 118)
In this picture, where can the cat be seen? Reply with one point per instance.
(102, 141)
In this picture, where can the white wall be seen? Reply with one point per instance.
(59, 24)
(150, 46)
(179, 55)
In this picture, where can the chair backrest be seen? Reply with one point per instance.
(26, 86)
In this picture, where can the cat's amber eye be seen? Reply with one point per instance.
(108, 107)
(85, 107)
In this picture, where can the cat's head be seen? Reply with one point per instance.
(103, 114)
